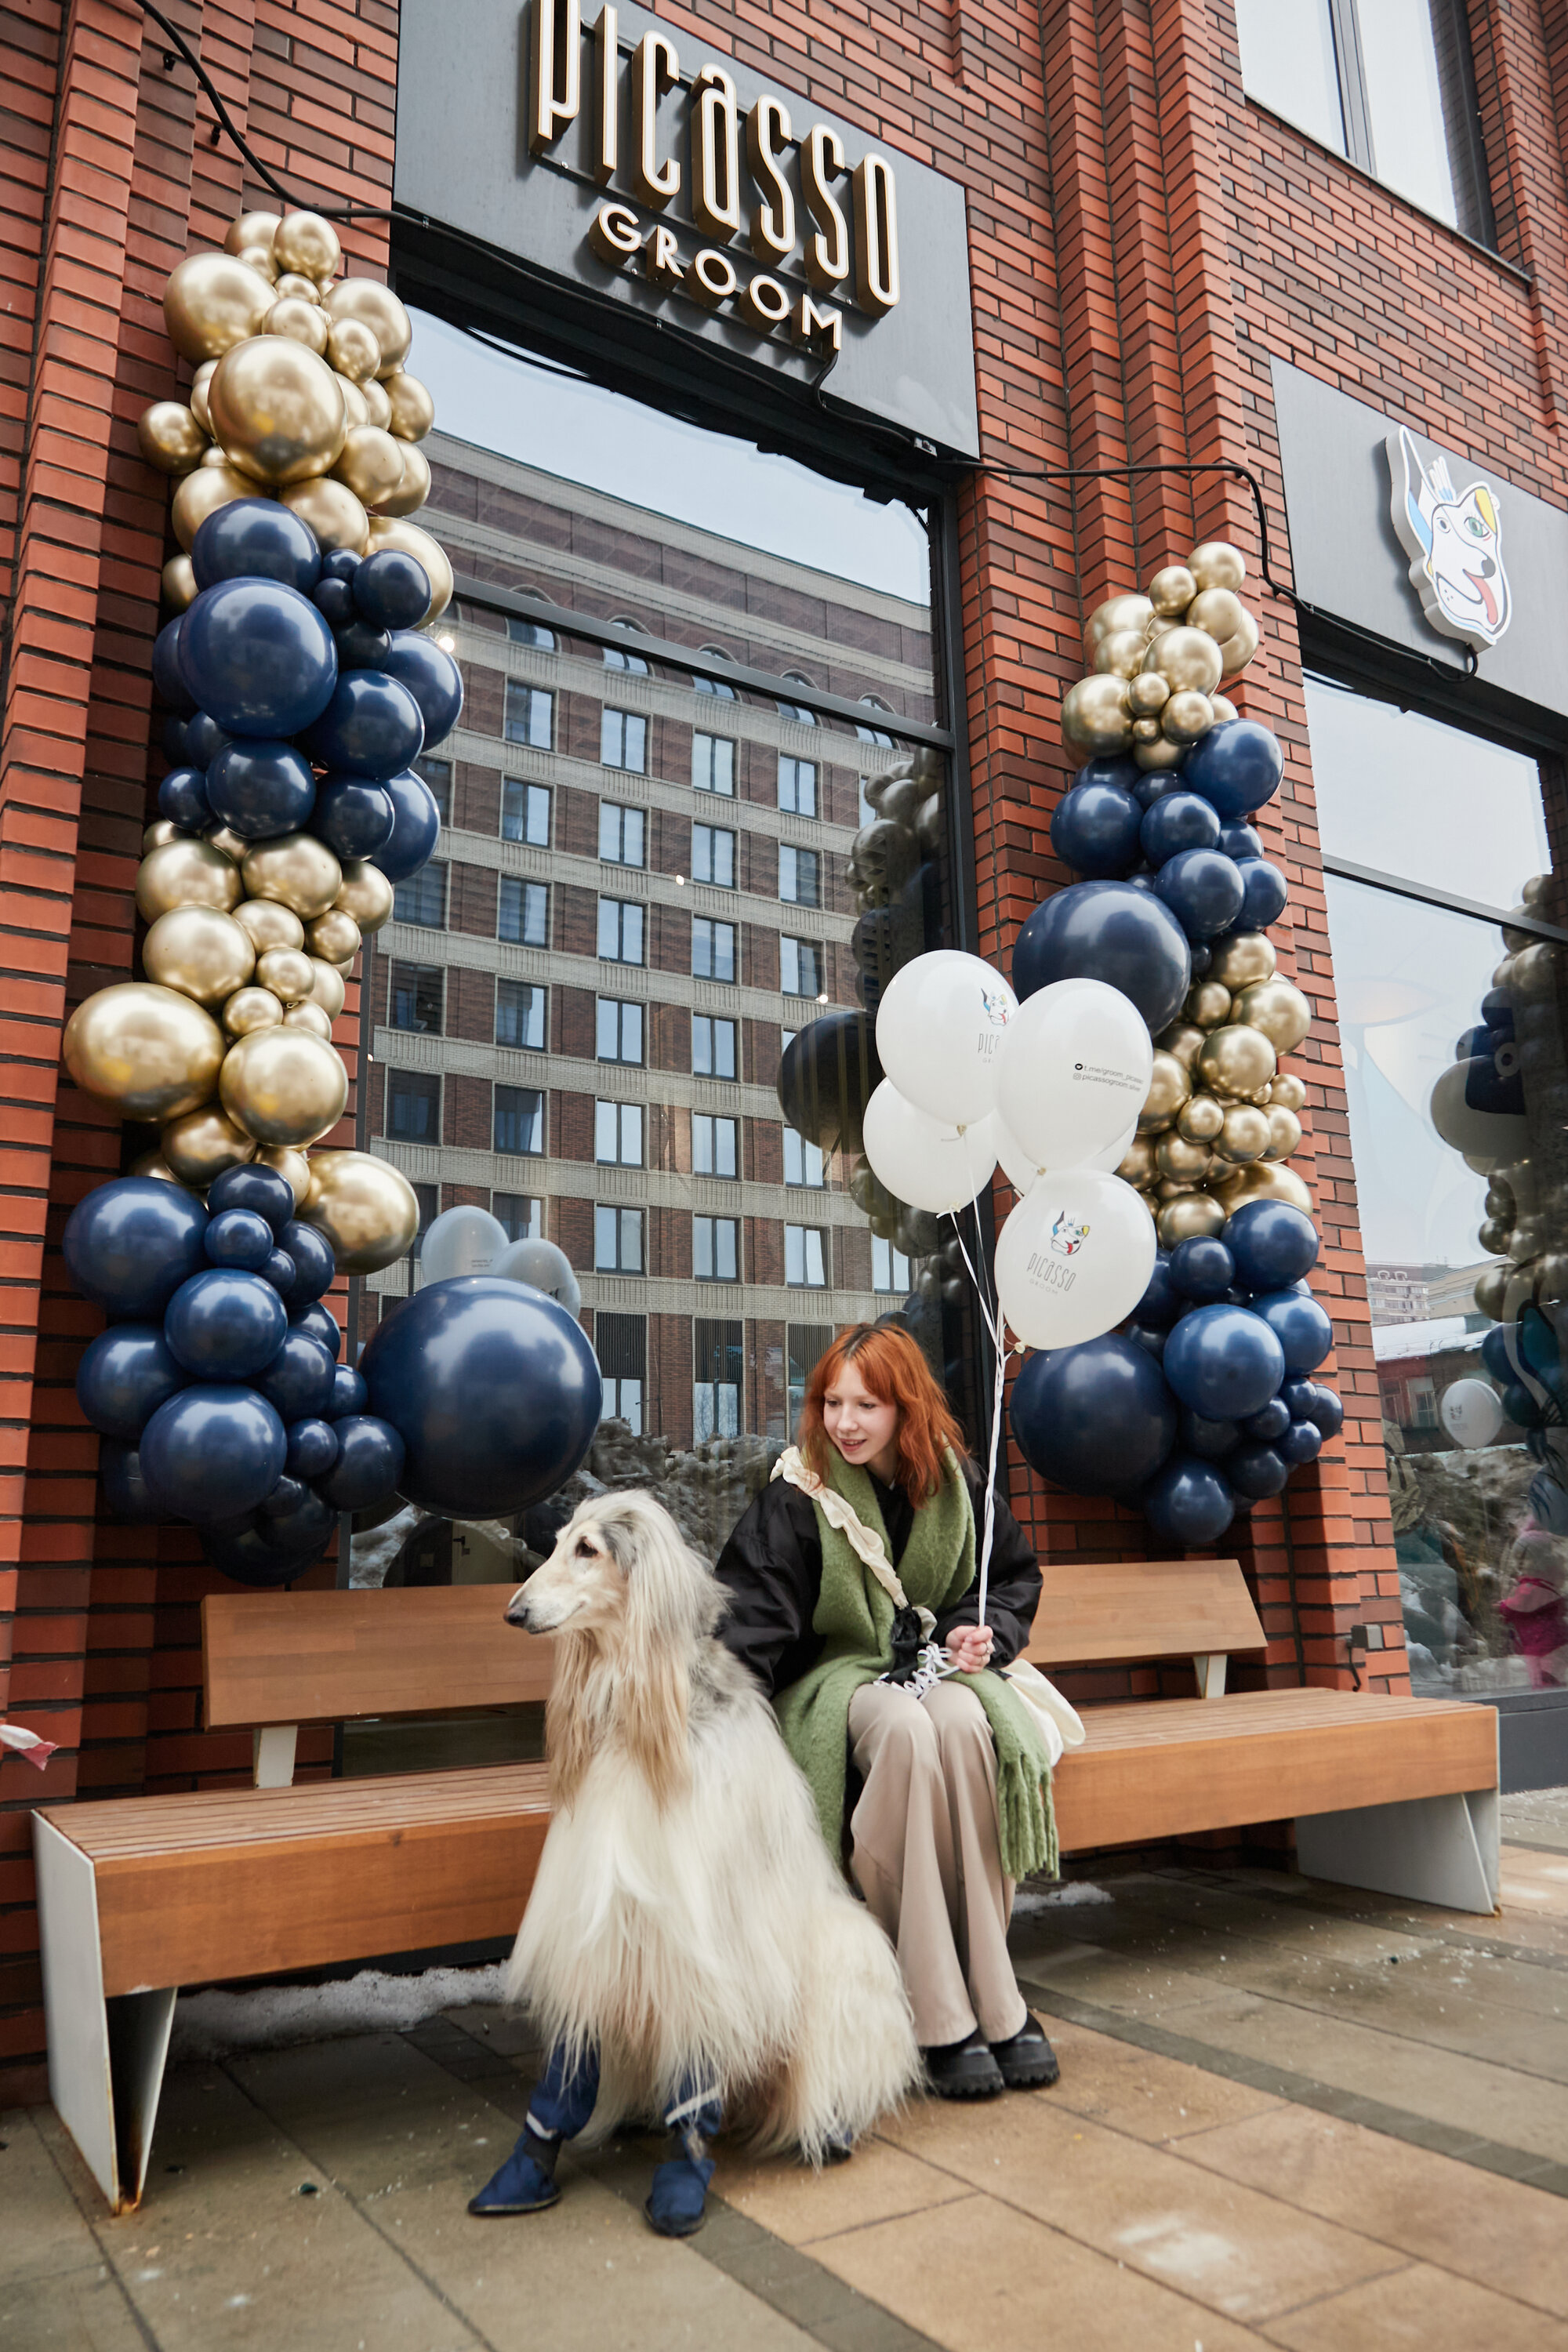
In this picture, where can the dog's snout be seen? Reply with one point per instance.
(517, 1607)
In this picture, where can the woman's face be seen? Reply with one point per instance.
(861, 1426)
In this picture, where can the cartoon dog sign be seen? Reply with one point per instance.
(1454, 541)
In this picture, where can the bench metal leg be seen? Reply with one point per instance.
(1438, 1850)
(106, 2057)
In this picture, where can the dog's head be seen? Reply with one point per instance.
(619, 1556)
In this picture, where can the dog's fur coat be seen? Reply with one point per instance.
(687, 1917)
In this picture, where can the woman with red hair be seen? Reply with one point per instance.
(849, 1576)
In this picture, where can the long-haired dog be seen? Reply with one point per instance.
(686, 1921)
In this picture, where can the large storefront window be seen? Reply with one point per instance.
(1466, 1193)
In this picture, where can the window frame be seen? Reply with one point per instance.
(626, 1118)
(716, 834)
(422, 1085)
(529, 988)
(624, 1221)
(528, 790)
(436, 875)
(510, 1150)
(622, 907)
(622, 1006)
(623, 817)
(808, 1233)
(716, 743)
(801, 949)
(536, 695)
(709, 1228)
(419, 973)
(794, 853)
(719, 936)
(608, 714)
(715, 1022)
(525, 888)
(714, 1122)
(793, 808)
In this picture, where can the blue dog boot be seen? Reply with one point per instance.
(562, 2103)
(676, 2205)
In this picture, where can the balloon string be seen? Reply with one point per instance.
(996, 1328)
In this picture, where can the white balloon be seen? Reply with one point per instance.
(460, 1241)
(941, 1022)
(1495, 1135)
(1072, 1072)
(1074, 1258)
(930, 1165)
(1020, 1170)
(541, 1266)
(1471, 1413)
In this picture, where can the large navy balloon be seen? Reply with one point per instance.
(258, 656)
(354, 816)
(1304, 1330)
(1189, 1502)
(130, 1244)
(1273, 1243)
(168, 678)
(255, 539)
(827, 1074)
(492, 1388)
(252, 1187)
(1097, 1418)
(211, 1451)
(261, 787)
(1258, 1471)
(125, 1375)
(1178, 821)
(1202, 888)
(1223, 1362)
(314, 1264)
(429, 673)
(369, 1464)
(124, 1488)
(1110, 932)
(298, 1380)
(1263, 894)
(182, 799)
(1237, 765)
(370, 727)
(416, 826)
(1094, 828)
(224, 1326)
(392, 589)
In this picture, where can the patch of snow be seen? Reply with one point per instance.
(211, 2024)
(1031, 1900)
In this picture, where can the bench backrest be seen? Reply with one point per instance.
(1094, 1615)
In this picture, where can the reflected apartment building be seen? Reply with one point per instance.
(579, 1007)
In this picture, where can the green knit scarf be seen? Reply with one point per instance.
(855, 1618)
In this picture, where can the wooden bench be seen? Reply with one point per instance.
(139, 1896)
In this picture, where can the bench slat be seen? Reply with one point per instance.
(319, 1657)
(1094, 1615)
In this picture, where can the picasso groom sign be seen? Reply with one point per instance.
(1454, 539)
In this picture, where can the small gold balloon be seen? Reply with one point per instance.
(1493, 1238)
(326, 989)
(352, 349)
(302, 322)
(1219, 611)
(1161, 754)
(1209, 1003)
(1181, 1161)
(170, 437)
(305, 242)
(213, 301)
(1187, 716)
(1242, 957)
(228, 844)
(1147, 693)
(1138, 1167)
(1189, 658)
(153, 1164)
(1238, 650)
(178, 585)
(251, 1008)
(1126, 612)
(344, 970)
(1288, 1093)
(1171, 590)
(1244, 1135)
(1552, 1279)
(1235, 1062)
(185, 873)
(199, 383)
(1264, 1180)
(390, 531)
(1284, 1132)
(1491, 1292)
(1201, 1119)
(334, 937)
(378, 308)
(333, 512)
(1194, 1217)
(1222, 705)
(214, 456)
(277, 410)
(378, 408)
(259, 258)
(366, 894)
(365, 1207)
(413, 410)
(201, 494)
(356, 407)
(160, 830)
(270, 924)
(1278, 1008)
(201, 951)
(1183, 1041)
(415, 487)
(199, 1147)
(283, 1085)
(291, 1165)
(1120, 654)
(370, 464)
(287, 972)
(148, 1050)
(1168, 1089)
(1534, 973)
(1096, 716)
(308, 1016)
(251, 228)
(296, 870)
(1218, 564)
(289, 286)
(1147, 730)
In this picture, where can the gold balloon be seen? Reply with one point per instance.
(250, 228)
(326, 989)
(170, 437)
(1120, 654)
(1236, 1061)
(366, 894)
(199, 1147)
(365, 1207)
(296, 870)
(370, 464)
(344, 970)
(1284, 1132)
(352, 349)
(1552, 1280)
(251, 1008)
(1196, 1217)
(147, 1050)
(1222, 705)
(259, 258)
(287, 972)
(1219, 611)
(302, 322)
(415, 487)
(1491, 1292)
(1186, 657)
(201, 494)
(308, 1016)
(1241, 959)
(1209, 1003)
(1168, 1089)
(389, 531)
(1147, 730)
(356, 407)
(413, 410)
(378, 308)
(289, 1164)
(270, 924)
(334, 937)
(1244, 1135)
(1171, 590)
(277, 410)
(305, 242)
(1147, 693)
(1181, 1041)
(1187, 716)
(1161, 754)
(1138, 1167)
(213, 301)
(178, 585)
(1279, 1008)
(162, 829)
(187, 873)
(283, 1085)
(1125, 612)
(1288, 1093)
(1097, 715)
(378, 408)
(333, 512)
(228, 844)
(1201, 1119)
(153, 1164)
(289, 286)
(199, 950)
(1237, 650)
(214, 456)
(1182, 1162)
(199, 383)
(1218, 564)
(1265, 1180)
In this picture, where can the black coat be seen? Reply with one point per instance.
(771, 1569)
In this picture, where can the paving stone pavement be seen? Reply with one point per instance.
(1290, 2114)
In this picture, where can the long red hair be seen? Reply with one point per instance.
(894, 1370)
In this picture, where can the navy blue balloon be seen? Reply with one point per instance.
(1141, 881)
(335, 598)
(279, 1271)
(258, 656)
(1264, 891)
(239, 1237)
(1269, 1422)
(1296, 1393)
(392, 589)
(286, 1496)
(1202, 958)
(1202, 1269)
(314, 1263)
(125, 1375)
(1538, 1344)
(361, 647)
(368, 1466)
(1495, 1355)
(1299, 1323)
(182, 799)
(298, 1380)
(211, 1451)
(171, 735)
(1203, 889)
(224, 1326)
(1104, 930)
(354, 816)
(370, 727)
(1327, 1410)
(1094, 829)
(168, 677)
(1273, 1243)
(1162, 1302)
(254, 1187)
(321, 1322)
(1223, 1362)
(341, 563)
(1188, 1502)
(1259, 1471)
(1302, 1441)
(1237, 765)
(205, 738)
(1178, 821)
(1211, 1439)
(1239, 841)
(1097, 1418)
(1521, 1407)
(415, 827)
(261, 787)
(250, 1559)
(432, 677)
(301, 1532)
(1150, 1339)
(255, 539)
(313, 1448)
(130, 1244)
(493, 1389)
(124, 1488)
(350, 1393)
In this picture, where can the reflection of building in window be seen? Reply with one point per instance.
(621, 834)
(713, 1047)
(806, 1344)
(620, 1342)
(429, 1199)
(525, 813)
(522, 1216)
(413, 1105)
(618, 1030)
(800, 967)
(416, 997)
(1398, 1293)
(617, 1134)
(620, 930)
(437, 775)
(520, 1120)
(422, 899)
(716, 1249)
(713, 764)
(797, 785)
(617, 656)
(797, 710)
(714, 1147)
(805, 1257)
(713, 855)
(799, 884)
(803, 1162)
(617, 1239)
(712, 950)
(529, 715)
(889, 1267)
(520, 1015)
(717, 1361)
(716, 686)
(875, 734)
(531, 632)
(522, 915)
(623, 740)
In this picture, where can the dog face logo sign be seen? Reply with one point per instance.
(996, 1005)
(1454, 541)
(1068, 1237)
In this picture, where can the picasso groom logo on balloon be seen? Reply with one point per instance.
(1454, 541)
(1068, 1237)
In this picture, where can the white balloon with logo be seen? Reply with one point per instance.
(1022, 1172)
(1072, 1072)
(922, 1160)
(939, 1028)
(1471, 1413)
(541, 1266)
(1074, 1258)
(460, 1241)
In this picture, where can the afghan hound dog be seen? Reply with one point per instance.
(687, 1923)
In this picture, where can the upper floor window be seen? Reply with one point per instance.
(617, 1134)
(413, 1105)
(437, 775)
(713, 1047)
(868, 734)
(713, 855)
(519, 1015)
(523, 912)
(618, 1030)
(623, 740)
(522, 1216)
(799, 877)
(416, 998)
(422, 899)
(805, 1257)
(797, 710)
(529, 715)
(800, 967)
(620, 930)
(617, 1240)
(713, 764)
(525, 813)
(797, 785)
(429, 1199)
(803, 1162)
(520, 1119)
(712, 950)
(716, 1249)
(718, 686)
(621, 832)
(617, 656)
(531, 632)
(889, 1266)
(715, 1145)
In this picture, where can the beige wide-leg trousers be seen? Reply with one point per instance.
(925, 1854)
